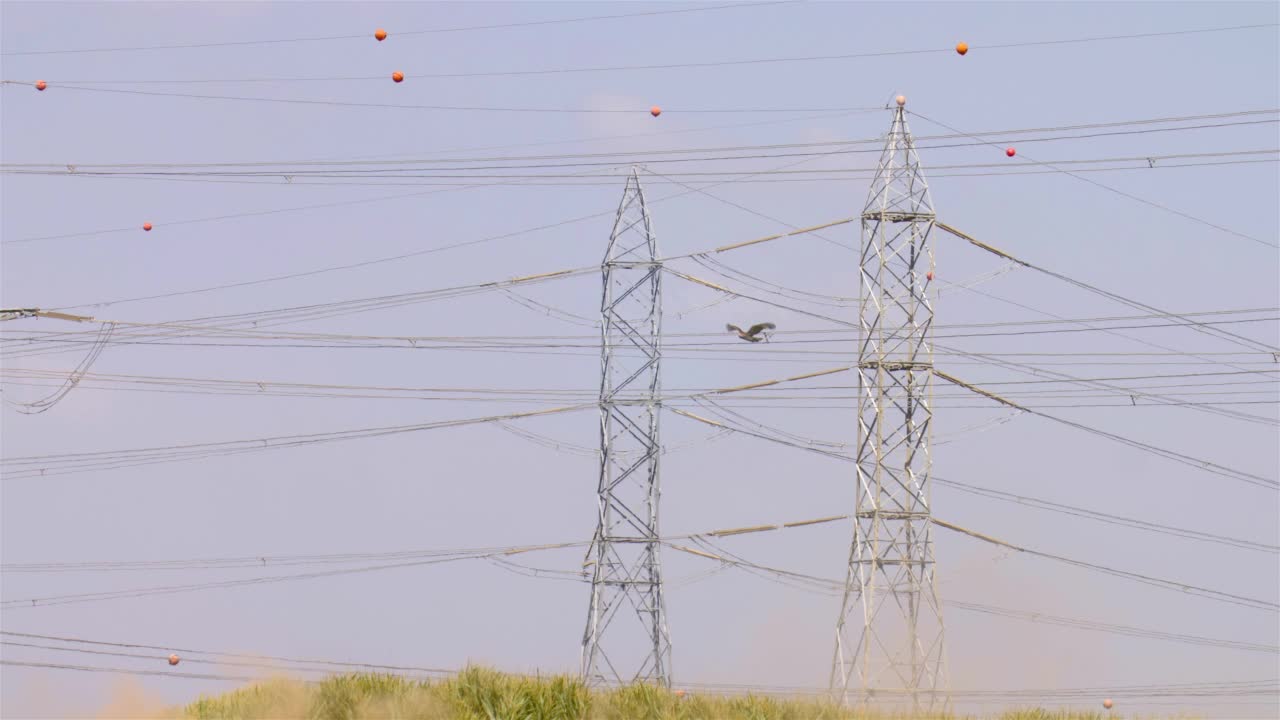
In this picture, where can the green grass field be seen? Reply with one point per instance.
(480, 694)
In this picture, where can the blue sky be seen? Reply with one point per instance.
(480, 486)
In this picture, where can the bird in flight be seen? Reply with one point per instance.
(752, 334)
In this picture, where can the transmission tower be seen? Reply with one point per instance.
(889, 636)
(626, 638)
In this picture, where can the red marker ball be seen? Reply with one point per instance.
(40, 85)
(146, 226)
(655, 111)
(1010, 152)
(173, 659)
(929, 275)
(397, 76)
(380, 34)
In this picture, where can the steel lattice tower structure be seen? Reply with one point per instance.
(626, 638)
(889, 636)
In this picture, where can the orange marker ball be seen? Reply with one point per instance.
(679, 693)
(173, 659)
(655, 111)
(40, 85)
(902, 100)
(146, 226)
(380, 34)
(397, 76)
(1107, 703)
(929, 275)
(962, 48)
(1010, 152)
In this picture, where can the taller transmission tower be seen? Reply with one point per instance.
(889, 636)
(626, 584)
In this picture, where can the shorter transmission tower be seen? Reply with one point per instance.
(626, 638)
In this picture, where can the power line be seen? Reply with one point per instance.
(977, 356)
(716, 63)
(435, 108)
(140, 330)
(64, 463)
(831, 587)
(363, 171)
(173, 589)
(837, 334)
(163, 673)
(615, 161)
(1195, 325)
(437, 558)
(826, 449)
(402, 33)
(846, 56)
(386, 259)
(1130, 196)
(1208, 593)
(1107, 518)
(628, 156)
(529, 184)
(276, 211)
(618, 163)
(1198, 463)
(142, 656)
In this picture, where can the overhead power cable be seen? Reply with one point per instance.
(1134, 394)
(349, 306)
(623, 157)
(1217, 690)
(974, 47)
(64, 463)
(1113, 628)
(606, 177)
(72, 379)
(18, 468)
(172, 589)
(1126, 392)
(432, 108)
(536, 182)
(346, 666)
(783, 338)
(1198, 463)
(1100, 384)
(835, 588)
(296, 208)
(1040, 371)
(1195, 325)
(827, 449)
(197, 660)
(1208, 593)
(391, 258)
(279, 388)
(614, 161)
(1108, 518)
(1130, 196)
(128, 671)
(434, 558)
(404, 33)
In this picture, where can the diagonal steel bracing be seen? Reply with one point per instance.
(626, 638)
(889, 635)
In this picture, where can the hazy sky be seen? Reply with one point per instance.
(481, 486)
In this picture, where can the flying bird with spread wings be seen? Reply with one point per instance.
(753, 334)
